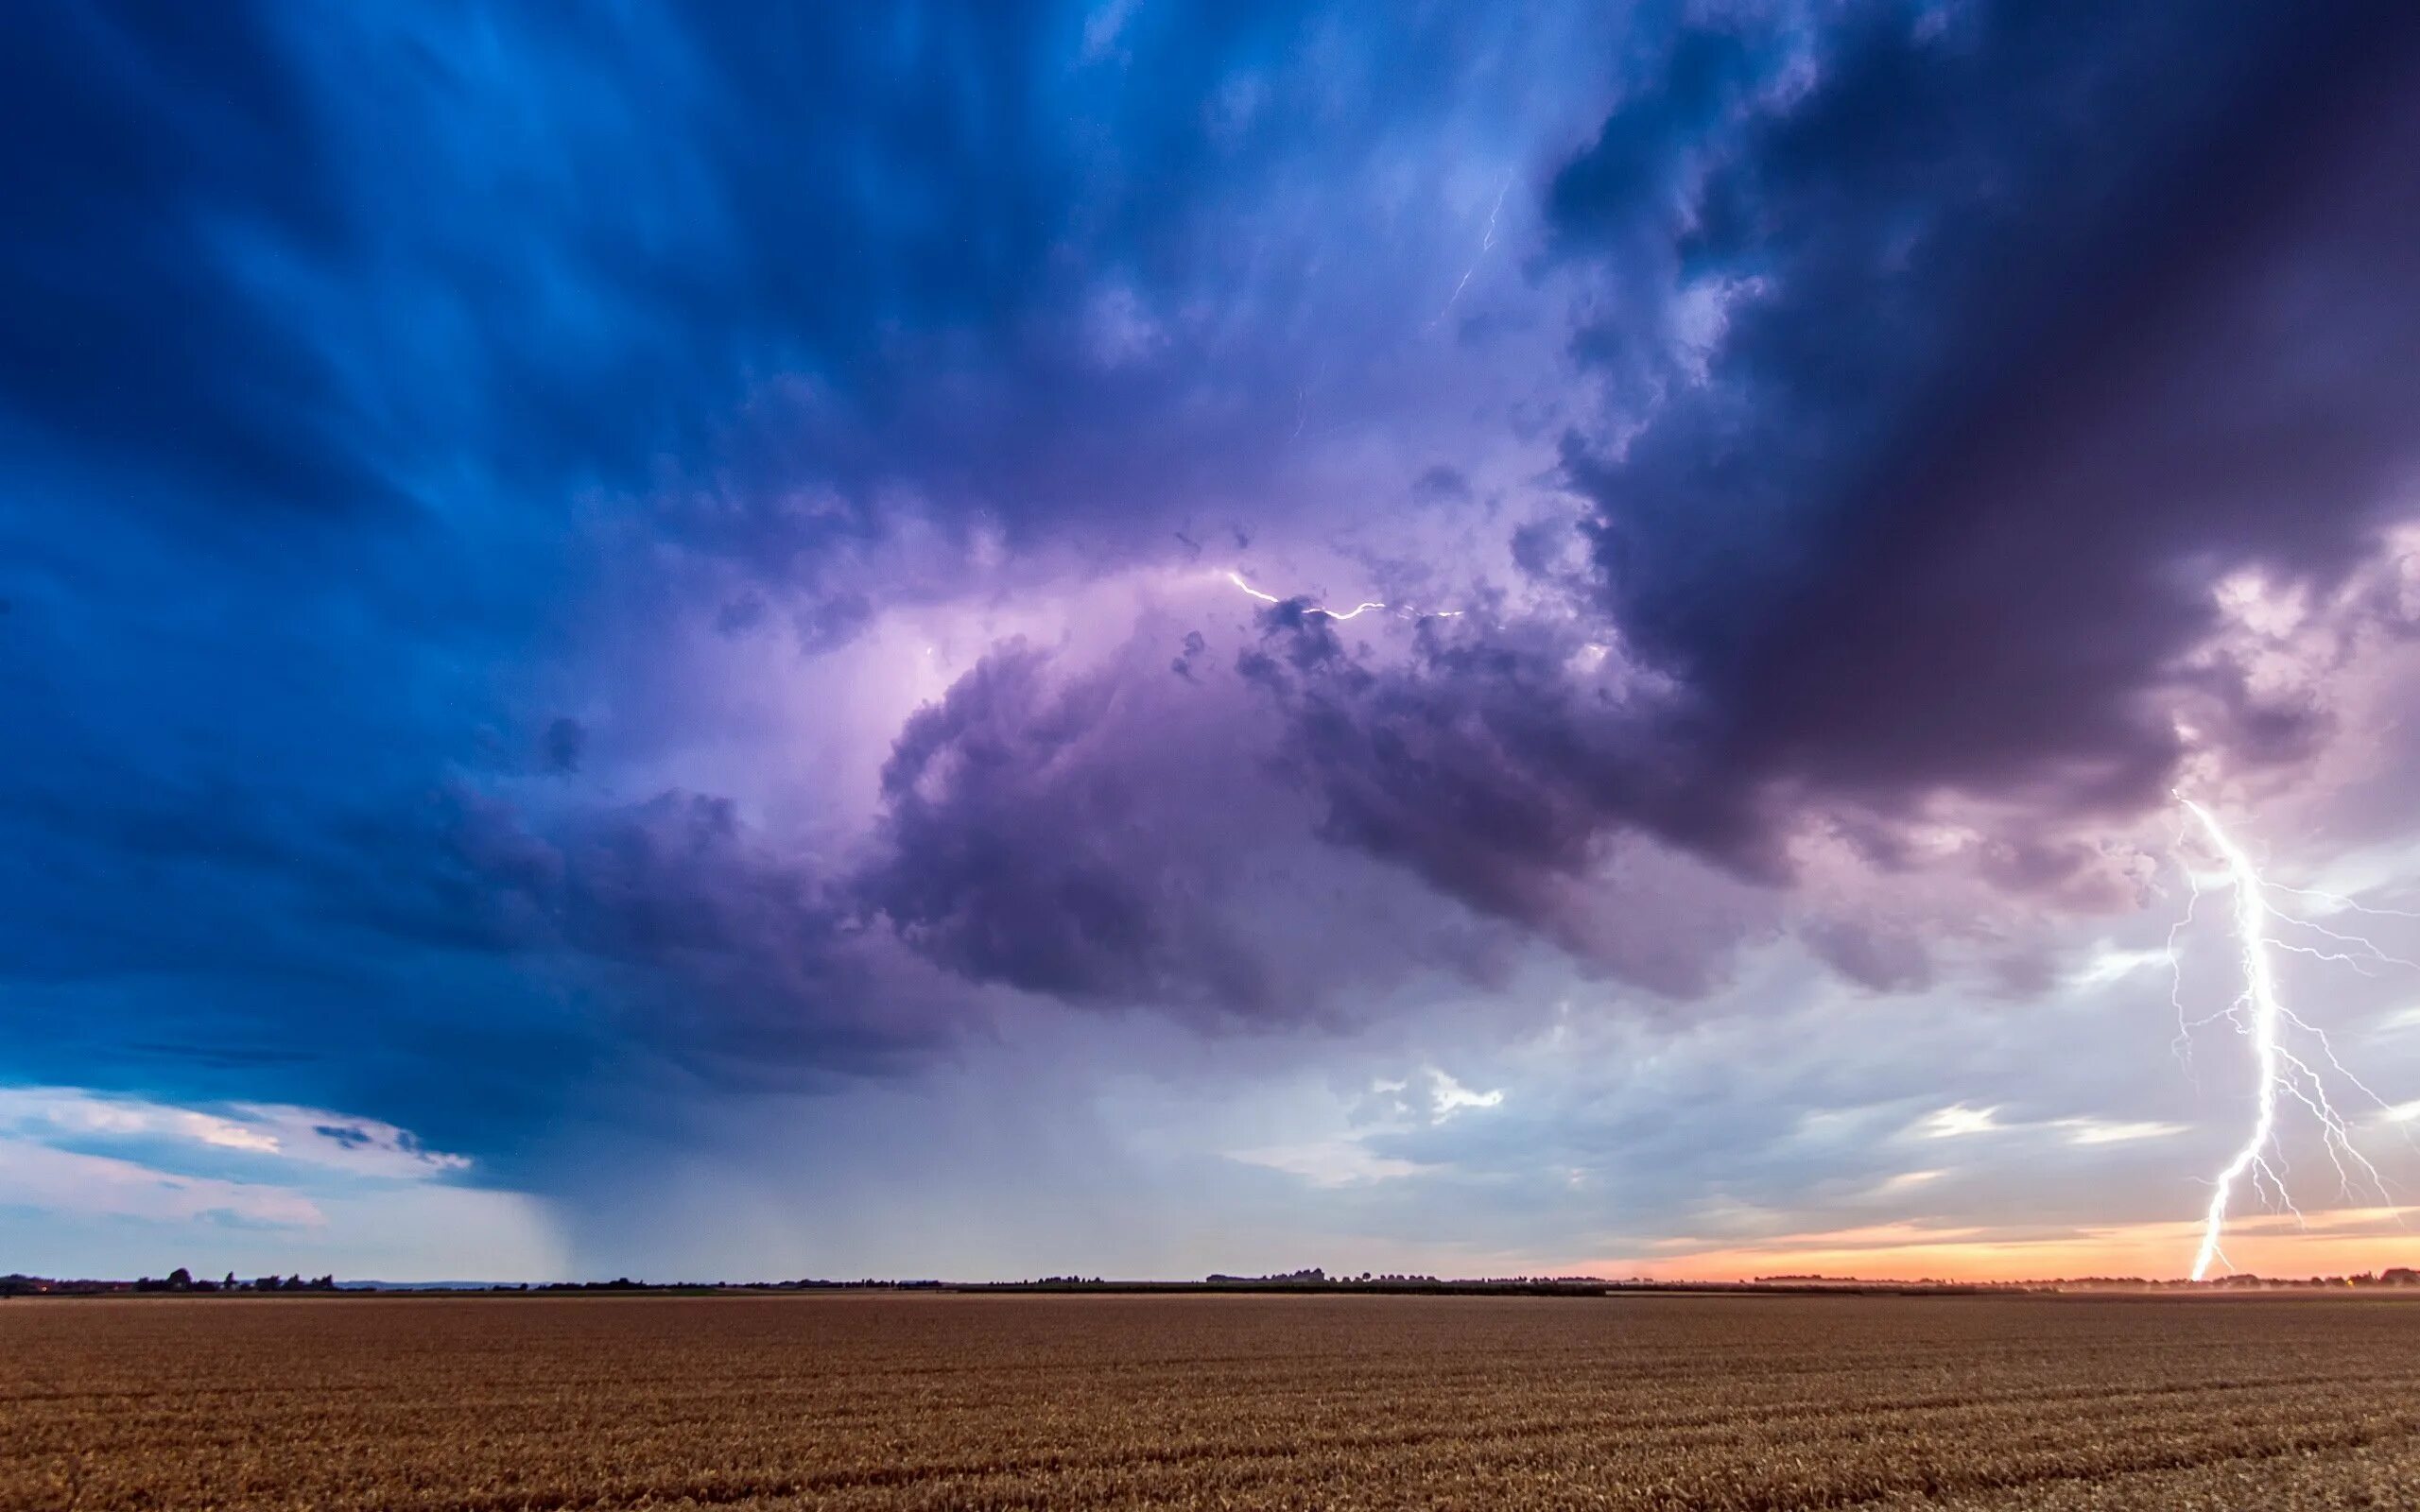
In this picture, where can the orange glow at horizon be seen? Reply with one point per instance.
(2341, 1242)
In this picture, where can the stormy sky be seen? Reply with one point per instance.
(997, 639)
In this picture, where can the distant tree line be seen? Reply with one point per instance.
(179, 1279)
(182, 1281)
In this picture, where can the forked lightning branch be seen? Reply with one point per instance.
(2293, 1062)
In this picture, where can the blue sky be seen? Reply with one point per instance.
(1000, 639)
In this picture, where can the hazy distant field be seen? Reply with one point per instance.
(1197, 1402)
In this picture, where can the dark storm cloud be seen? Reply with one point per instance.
(363, 368)
(1491, 768)
(1115, 836)
(447, 956)
(780, 271)
(1969, 365)
(728, 951)
(1951, 367)
(2033, 321)
(140, 132)
(373, 380)
(1031, 846)
(805, 269)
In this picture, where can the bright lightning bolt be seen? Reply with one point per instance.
(1354, 613)
(2259, 972)
(2282, 1071)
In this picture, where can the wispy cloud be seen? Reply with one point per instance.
(1393, 1109)
(2109, 1131)
(79, 1116)
(71, 1182)
(1899, 1185)
(1959, 1120)
(1448, 1096)
(2111, 964)
(1333, 1162)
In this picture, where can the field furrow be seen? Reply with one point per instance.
(886, 1403)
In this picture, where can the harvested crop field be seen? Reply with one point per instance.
(1204, 1401)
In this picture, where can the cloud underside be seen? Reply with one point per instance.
(2028, 341)
(1920, 429)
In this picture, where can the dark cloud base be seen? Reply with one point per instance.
(385, 398)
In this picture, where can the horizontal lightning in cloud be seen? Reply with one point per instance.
(1354, 613)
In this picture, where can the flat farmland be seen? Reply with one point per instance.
(1190, 1402)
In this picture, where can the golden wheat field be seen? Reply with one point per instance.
(1209, 1401)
